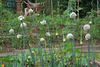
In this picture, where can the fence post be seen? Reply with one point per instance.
(18, 5)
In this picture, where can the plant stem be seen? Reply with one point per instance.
(93, 50)
(13, 51)
(37, 43)
(72, 53)
(23, 56)
(21, 51)
(81, 48)
(88, 53)
(60, 50)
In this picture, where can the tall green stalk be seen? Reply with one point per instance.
(72, 53)
(13, 51)
(23, 52)
(45, 49)
(93, 50)
(88, 53)
(65, 48)
(60, 50)
(81, 43)
(37, 42)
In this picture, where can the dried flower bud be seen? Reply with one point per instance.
(37, 14)
(33, 52)
(56, 34)
(81, 42)
(64, 39)
(90, 22)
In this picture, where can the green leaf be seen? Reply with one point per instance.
(79, 9)
(1, 49)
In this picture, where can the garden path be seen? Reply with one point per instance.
(84, 49)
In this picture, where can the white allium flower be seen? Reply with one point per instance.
(30, 11)
(43, 22)
(42, 39)
(69, 36)
(87, 36)
(86, 27)
(20, 17)
(29, 57)
(23, 25)
(11, 31)
(47, 34)
(19, 36)
(73, 15)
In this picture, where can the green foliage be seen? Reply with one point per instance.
(61, 24)
(10, 20)
(57, 57)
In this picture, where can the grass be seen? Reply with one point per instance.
(97, 56)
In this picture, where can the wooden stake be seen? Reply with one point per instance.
(78, 10)
(52, 10)
(78, 19)
(52, 17)
(45, 44)
(28, 4)
(97, 5)
(1, 17)
(29, 21)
